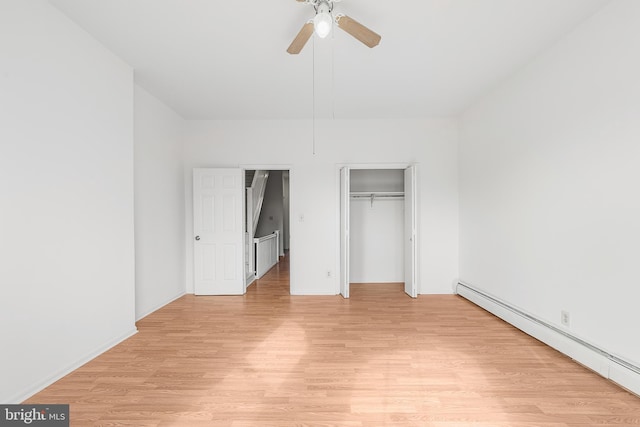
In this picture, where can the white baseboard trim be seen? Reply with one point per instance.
(159, 306)
(35, 388)
(599, 360)
(320, 293)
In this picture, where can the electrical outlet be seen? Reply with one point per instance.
(565, 318)
(328, 274)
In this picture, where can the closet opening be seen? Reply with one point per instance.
(378, 228)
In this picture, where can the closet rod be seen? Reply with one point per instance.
(368, 194)
(377, 195)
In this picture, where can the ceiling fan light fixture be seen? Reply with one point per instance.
(323, 20)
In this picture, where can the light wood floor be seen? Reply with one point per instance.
(379, 358)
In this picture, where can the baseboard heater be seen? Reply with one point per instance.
(599, 360)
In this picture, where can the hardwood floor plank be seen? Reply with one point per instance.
(378, 358)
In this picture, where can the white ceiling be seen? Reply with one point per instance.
(213, 59)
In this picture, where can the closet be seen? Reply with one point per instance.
(378, 227)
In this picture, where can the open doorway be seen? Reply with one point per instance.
(266, 220)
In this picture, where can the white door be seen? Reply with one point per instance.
(344, 231)
(218, 232)
(410, 240)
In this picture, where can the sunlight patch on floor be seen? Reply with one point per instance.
(278, 354)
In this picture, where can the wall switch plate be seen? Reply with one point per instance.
(565, 318)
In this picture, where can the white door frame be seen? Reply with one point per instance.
(293, 271)
(345, 239)
(402, 166)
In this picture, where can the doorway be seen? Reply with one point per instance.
(378, 238)
(266, 220)
(223, 249)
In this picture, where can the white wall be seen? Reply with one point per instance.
(314, 185)
(66, 210)
(159, 204)
(272, 213)
(549, 173)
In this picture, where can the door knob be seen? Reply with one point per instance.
(197, 237)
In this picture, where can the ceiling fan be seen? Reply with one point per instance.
(322, 23)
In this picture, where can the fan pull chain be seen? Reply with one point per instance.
(333, 80)
(313, 96)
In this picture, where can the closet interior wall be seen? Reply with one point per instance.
(376, 226)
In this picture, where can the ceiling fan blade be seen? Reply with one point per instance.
(301, 39)
(358, 30)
